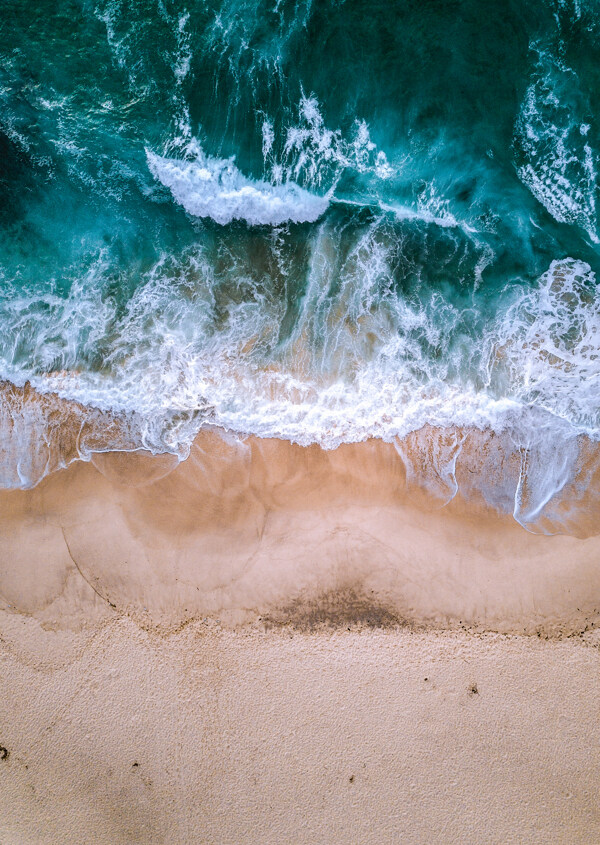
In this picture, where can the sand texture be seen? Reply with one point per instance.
(273, 644)
(237, 737)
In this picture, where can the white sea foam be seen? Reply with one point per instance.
(545, 347)
(317, 154)
(359, 361)
(183, 60)
(215, 188)
(446, 220)
(356, 364)
(560, 167)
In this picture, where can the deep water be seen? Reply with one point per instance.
(321, 221)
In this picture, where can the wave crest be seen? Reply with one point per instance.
(215, 188)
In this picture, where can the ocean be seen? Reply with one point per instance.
(323, 221)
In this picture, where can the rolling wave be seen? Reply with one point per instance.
(215, 188)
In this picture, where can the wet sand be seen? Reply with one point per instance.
(249, 529)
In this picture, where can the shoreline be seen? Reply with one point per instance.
(263, 529)
(548, 488)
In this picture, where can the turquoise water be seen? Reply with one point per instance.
(321, 221)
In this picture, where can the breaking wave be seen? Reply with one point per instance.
(215, 188)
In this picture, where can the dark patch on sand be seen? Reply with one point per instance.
(334, 609)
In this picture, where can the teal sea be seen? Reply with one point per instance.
(317, 220)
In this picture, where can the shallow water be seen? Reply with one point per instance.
(320, 221)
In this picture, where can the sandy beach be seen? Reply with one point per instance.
(267, 643)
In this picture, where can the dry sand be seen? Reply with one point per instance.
(254, 629)
(212, 736)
